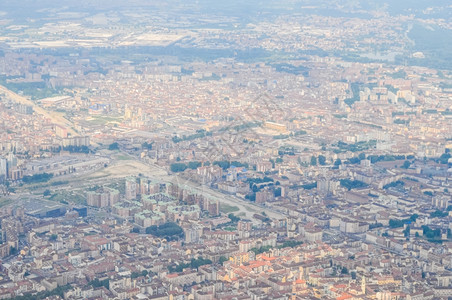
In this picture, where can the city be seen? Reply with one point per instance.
(174, 150)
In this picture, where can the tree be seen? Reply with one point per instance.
(393, 223)
(233, 218)
(222, 260)
(147, 146)
(178, 167)
(13, 250)
(222, 164)
(114, 146)
(338, 162)
(444, 158)
(406, 164)
(322, 160)
(46, 193)
(313, 161)
(344, 270)
(406, 232)
(194, 165)
(273, 163)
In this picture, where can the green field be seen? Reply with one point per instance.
(227, 209)
(102, 120)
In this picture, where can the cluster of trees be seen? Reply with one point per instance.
(406, 164)
(224, 164)
(285, 244)
(59, 291)
(180, 167)
(199, 134)
(261, 249)
(352, 184)
(234, 219)
(299, 132)
(77, 149)
(247, 126)
(376, 158)
(394, 223)
(431, 233)
(222, 259)
(289, 150)
(291, 244)
(60, 182)
(169, 231)
(399, 74)
(251, 197)
(313, 161)
(375, 225)
(138, 274)
(96, 283)
(232, 223)
(36, 178)
(355, 92)
(257, 184)
(406, 232)
(309, 186)
(281, 136)
(358, 146)
(253, 182)
(394, 184)
(401, 121)
(193, 264)
(439, 214)
(291, 69)
(240, 127)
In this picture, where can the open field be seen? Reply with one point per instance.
(126, 165)
(226, 209)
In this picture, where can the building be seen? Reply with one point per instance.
(3, 169)
(131, 189)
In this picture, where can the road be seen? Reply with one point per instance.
(119, 169)
(248, 208)
(53, 117)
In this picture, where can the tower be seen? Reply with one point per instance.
(363, 286)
